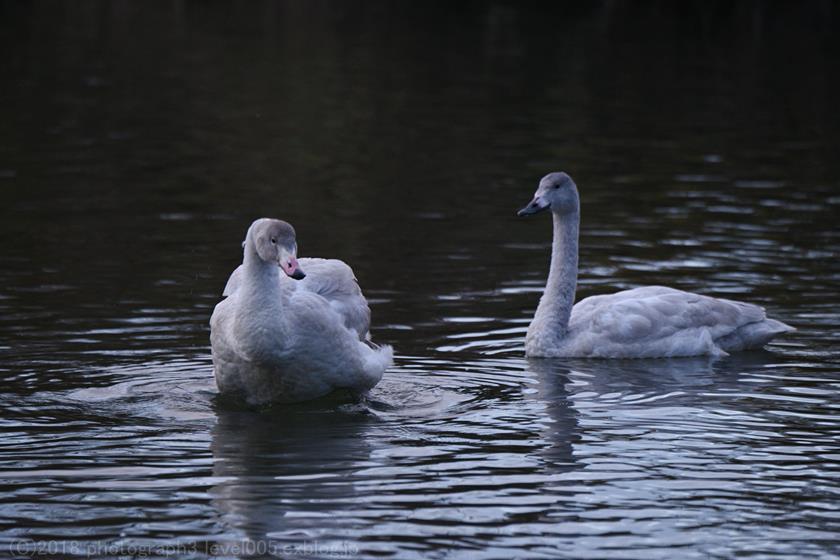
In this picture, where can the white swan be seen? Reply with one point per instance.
(275, 339)
(650, 322)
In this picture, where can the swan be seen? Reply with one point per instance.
(296, 336)
(648, 322)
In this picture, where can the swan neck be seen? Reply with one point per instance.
(262, 279)
(555, 307)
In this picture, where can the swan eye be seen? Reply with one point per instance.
(557, 186)
(273, 240)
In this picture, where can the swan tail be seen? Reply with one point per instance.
(376, 361)
(774, 327)
(754, 335)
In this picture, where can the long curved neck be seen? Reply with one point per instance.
(261, 282)
(555, 306)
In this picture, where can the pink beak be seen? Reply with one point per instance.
(292, 269)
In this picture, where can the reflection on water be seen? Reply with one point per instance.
(289, 476)
(402, 140)
(692, 447)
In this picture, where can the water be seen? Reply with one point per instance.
(137, 142)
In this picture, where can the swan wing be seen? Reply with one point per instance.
(233, 282)
(657, 320)
(334, 281)
(230, 360)
(318, 334)
(331, 279)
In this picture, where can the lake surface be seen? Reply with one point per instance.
(138, 142)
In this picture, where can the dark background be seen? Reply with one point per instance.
(138, 140)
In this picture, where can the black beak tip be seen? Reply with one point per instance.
(532, 208)
(298, 274)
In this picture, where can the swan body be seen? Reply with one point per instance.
(276, 339)
(656, 322)
(649, 322)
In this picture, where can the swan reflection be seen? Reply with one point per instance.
(280, 471)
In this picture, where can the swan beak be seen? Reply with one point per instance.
(298, 274)
(292, 269)
(536, 205)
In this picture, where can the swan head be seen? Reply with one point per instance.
(557, 192)
(275, 242)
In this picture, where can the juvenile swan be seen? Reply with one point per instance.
(276, 340)
(650, 322)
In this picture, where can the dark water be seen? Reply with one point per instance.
(139, 140)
